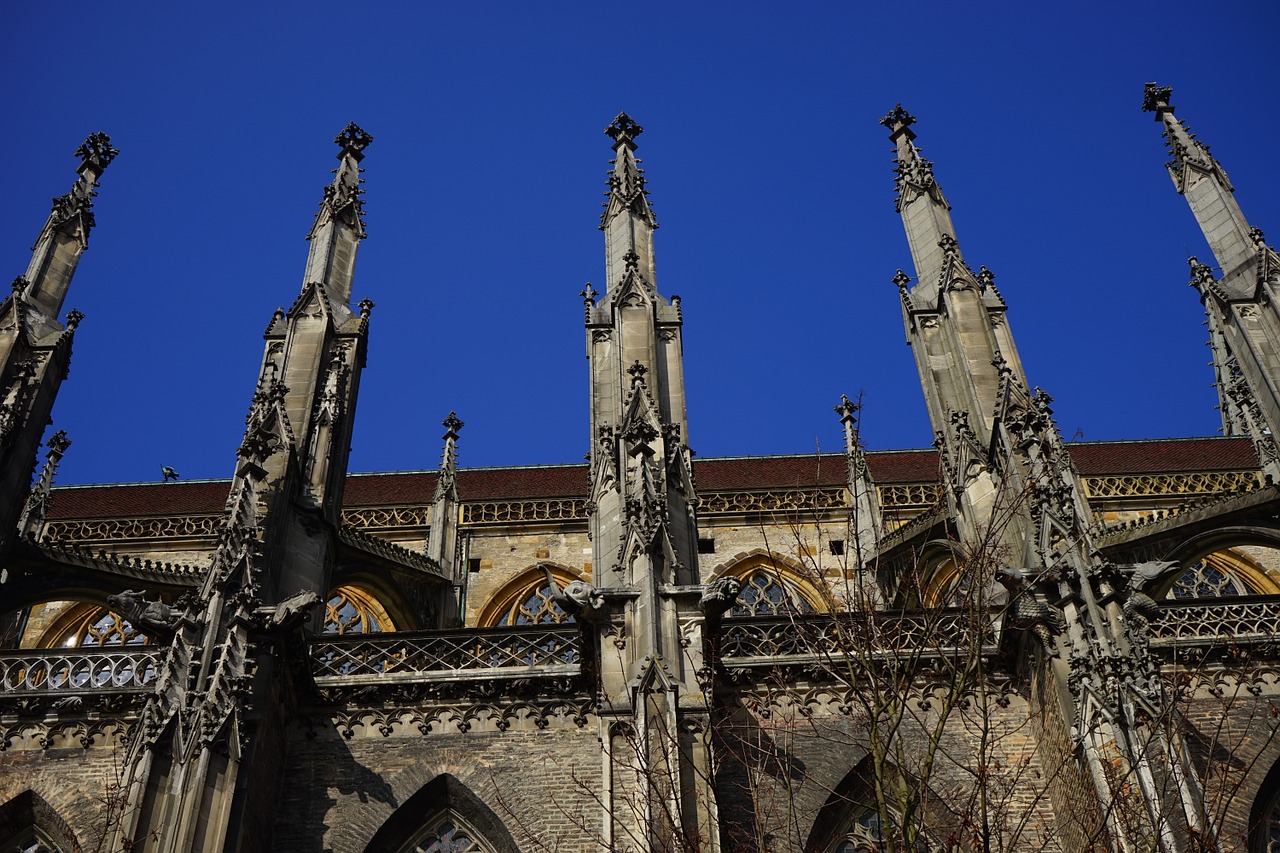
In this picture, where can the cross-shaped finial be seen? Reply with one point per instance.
(898, 118)
(623, 129)
(1154, 98)
(637, 371)
(96, 150)
(353, 140)
(451, 425)
(901, 279)
(847, 409)
(589, 294)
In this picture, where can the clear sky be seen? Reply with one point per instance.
(770, 176)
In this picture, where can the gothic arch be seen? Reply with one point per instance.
(525, 599)
(443, 795)
(1221, 538)
(89, 624)
(28, 819)
(390, 596)
(1219, 555)
(771, 584)
(842, 823)
(351, 609)
(1264, 817)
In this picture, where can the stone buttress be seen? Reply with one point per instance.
(1018, 507)
(203, 763)
(1240, 301)
(35, 347)
(644, 536)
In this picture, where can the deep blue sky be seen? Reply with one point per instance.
(770, 176)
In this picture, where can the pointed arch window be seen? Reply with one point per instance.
(528, 600)
(85, 624)
(1223, 574)
(864, 834)
(766, 592)
(447, 833)
(351, 610)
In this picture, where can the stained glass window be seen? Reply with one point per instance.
(1206, 580)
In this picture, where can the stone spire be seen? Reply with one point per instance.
(866, 522)
(35, 348)
(627, 221)
(65, 235)
(442, 543)
(1204, 183)
(955, 318)
(1241, 305)
(642, 517)
(37, 509)
(315, 352)
(339, 225)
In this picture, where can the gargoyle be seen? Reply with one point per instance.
(153, 617)
(1145, 579)
(579, 599)
(719, 596)
(288, 614)
(1026, 612)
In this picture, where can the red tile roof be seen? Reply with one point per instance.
(712, 475)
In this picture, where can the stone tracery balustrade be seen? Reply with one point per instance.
(443, 655)
(78, 670)
(1229, 621)
(1171, 485)
(848, 638)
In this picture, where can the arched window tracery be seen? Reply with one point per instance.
(528, 600)
(447, 833)
(767, 592)
(1227, 573)
(351, 610)
(88, 625)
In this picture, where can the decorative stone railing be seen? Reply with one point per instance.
(854, 639)
(535, 651)
(78, 670)
(1224, 621)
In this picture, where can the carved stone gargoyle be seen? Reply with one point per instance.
(1146, 578)
(579, 599)
(719, 596)
(152, 617)
(288, 615)
(1028, 613)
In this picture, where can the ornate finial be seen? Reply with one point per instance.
(73, 319)
(846, 410)
(353, 140)
(902, 280)
(451, 426)
(589, 295)
(985, 277)
(1258, 238)
(637, 371)
(623, 130)
(1155, 98)
(1001, 365)
(898, 119)
(631, 260)
(366, 308)
(19, 284)
(96, 151)
(949, 246)
(58, 442)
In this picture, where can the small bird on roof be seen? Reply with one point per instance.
(168, 473)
